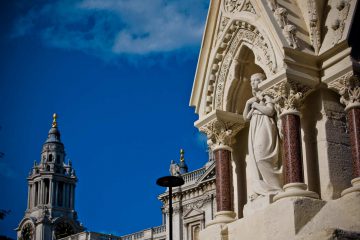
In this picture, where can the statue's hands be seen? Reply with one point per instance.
(252, 100)
(255, 105)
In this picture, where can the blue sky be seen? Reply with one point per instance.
(119, 74)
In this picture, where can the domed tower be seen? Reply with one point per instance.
(50, 210)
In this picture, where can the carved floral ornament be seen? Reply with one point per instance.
(233, 6)
(288, 96)
(348, 87)
(220, 133)
(237, 34)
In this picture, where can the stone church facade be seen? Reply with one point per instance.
(277, 93)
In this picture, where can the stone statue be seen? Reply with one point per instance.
(290, 35)
(281, 16)
(263, 168)
(174, 168)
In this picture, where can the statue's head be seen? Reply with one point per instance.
(255, 80)
(172, 161)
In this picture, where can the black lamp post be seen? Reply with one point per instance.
(170, 182)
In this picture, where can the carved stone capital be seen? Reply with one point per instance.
(349, 88)
(220, 128)
(288, 96)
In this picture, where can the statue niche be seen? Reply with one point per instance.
(264, 174)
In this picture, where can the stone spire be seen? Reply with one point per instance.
(183, 167)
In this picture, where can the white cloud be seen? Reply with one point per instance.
(112, 27)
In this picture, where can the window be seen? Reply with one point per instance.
(60, 194)
(195, 232)
(46, 193)
(36, 193)
(50, 158)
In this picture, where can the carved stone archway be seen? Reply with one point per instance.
(239, 33)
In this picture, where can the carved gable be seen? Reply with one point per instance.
(193, 213)
(288, 39)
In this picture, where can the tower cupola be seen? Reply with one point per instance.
(50, 210)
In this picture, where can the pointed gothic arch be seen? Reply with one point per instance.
(238, 35)
(237, 87)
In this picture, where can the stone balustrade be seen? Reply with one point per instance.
(91, 236)
(150, 233)
(191, 177)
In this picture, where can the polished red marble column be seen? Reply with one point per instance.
(223, 180)
(292, 157)
(353, 115)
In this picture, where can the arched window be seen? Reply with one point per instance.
(50, 158)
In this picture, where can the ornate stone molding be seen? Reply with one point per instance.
(248, 7)
(222, 25)
(237, 33)
(234, 6)
(220, 128)
(338, 25)
(199, 203)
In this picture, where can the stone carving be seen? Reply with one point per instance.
(223, 22)
(272, 4)
(263, 144)
(338, 26)
(315, 37)
(289, 30)
(248, 7)
(244, 33)
(218, 133)
(290, 35)
(199, 203)
(236, 6)
(174, 169)
(233, 5)
(288, 96)
(349, 89)
(281, 16)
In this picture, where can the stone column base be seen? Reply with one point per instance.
(296, 190)
(355, 187)
(222, 217)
